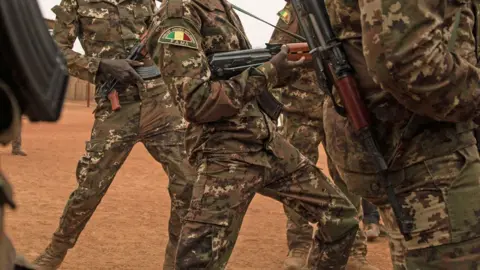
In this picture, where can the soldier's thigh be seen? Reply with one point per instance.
(440, 195)
(116, 126)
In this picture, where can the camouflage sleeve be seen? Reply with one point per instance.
(406, 49)
(65, 32)
(286, 21)
(186, 71)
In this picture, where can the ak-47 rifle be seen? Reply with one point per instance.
(137, 53)
(332, 68)
(228, 64)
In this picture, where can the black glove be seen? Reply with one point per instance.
(120, 69)
(284, 66)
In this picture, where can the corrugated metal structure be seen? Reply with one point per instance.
(77, 89)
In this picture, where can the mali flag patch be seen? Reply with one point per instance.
(178, 36)
(285, 16)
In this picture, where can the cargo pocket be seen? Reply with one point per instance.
(208, 206)
(90, 163)
(462, 196)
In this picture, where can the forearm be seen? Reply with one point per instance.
(407, 54)
(209, 101)
(81, 66)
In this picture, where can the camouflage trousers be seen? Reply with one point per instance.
(306, 135)
(156, 123)
(225, 186)
(441, 196)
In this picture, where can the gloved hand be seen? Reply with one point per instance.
(284, 66)
(121, 69)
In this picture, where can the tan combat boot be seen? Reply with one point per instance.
(18, 152)
(359, 262)
(372, 231)
(51, 258)
(296, 259)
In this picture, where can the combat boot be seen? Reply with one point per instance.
(359, 262)
(18, 152)
(372, 231)
(51, 258)
(296, 259)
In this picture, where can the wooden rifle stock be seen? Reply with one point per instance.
(114, 100)
(298, 50)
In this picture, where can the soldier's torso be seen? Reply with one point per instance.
(110, 28)
(222, 31)
(388, 115)
(303, 97)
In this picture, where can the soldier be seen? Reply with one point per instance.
(422, 99)
(107, 31)
(303, 128)
(233, 143)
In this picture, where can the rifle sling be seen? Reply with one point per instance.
(274, 26)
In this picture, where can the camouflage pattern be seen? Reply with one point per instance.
(303, 128)
(104, 28)
(403, 45)
(7, 251)
(235, 146)
(147, 115)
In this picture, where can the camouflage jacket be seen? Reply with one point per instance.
(223, 114)
(105, 29)
(303, 97)
(404, 66)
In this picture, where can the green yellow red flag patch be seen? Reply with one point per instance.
(285, 16)
(178, 36)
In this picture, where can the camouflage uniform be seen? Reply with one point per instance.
(108, 30)
(421, 72)
(234, 145)
(303, 128)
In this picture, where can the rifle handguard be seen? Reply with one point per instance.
(114, 100)
(298, 50)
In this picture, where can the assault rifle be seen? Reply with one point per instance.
(332, 68)
(138, 53)
(228, 64)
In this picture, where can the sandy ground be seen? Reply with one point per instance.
(129, 228)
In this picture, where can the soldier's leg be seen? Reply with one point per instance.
(163, 132)
(306, 136)
(303, 188)
(371, 220)
(225, 186)
(112, 138)
(358, 255)
(17, 143)
(440, 195)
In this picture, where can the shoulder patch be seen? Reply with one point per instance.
(178, 36)
(285, 15)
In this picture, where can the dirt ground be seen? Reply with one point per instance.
(129, 228)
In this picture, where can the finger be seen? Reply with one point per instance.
(134, 63)
(298, 63)
(284, 49)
